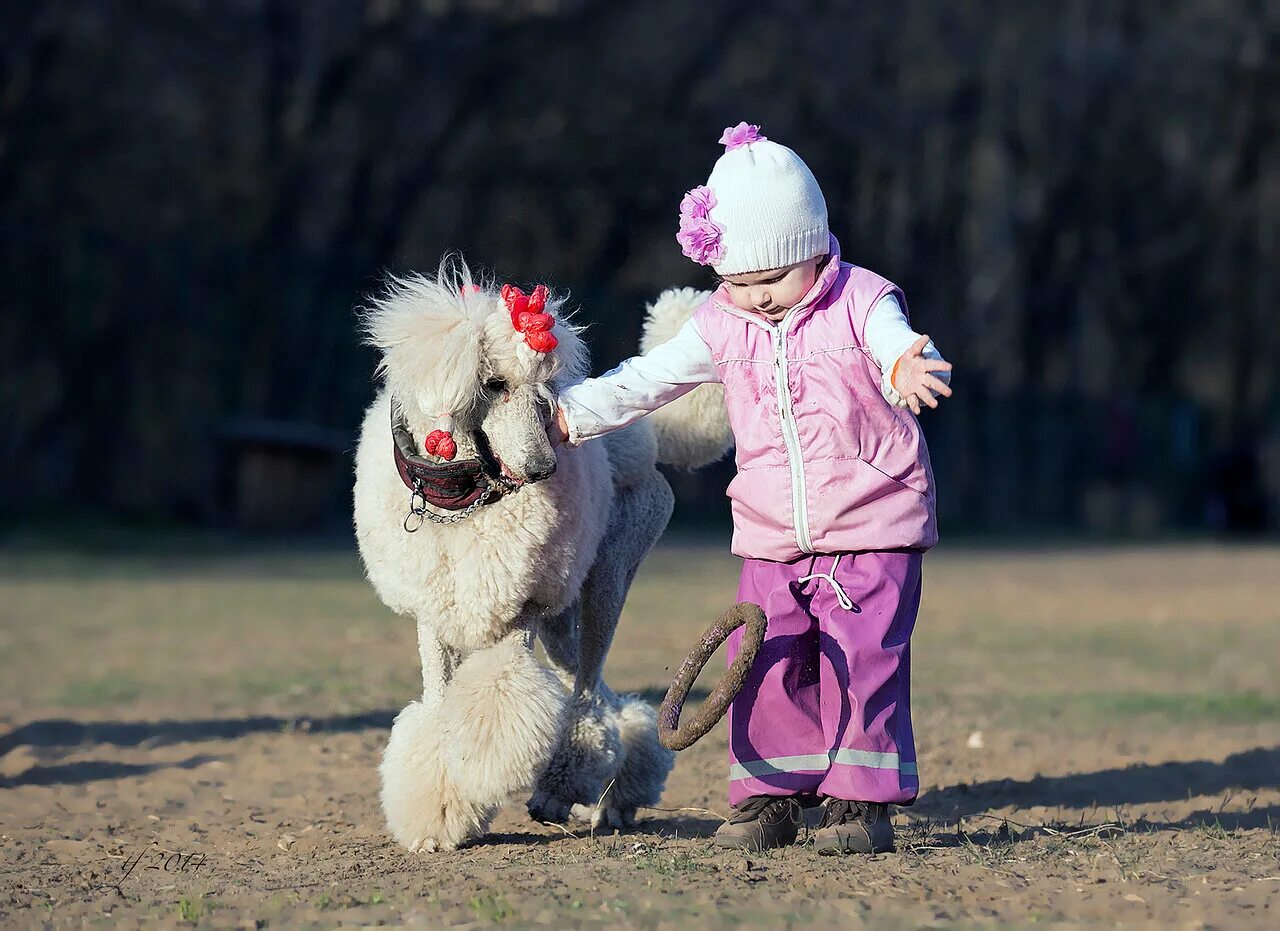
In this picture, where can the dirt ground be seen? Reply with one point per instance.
(190, 735)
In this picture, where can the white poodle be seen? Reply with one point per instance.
(502, 540)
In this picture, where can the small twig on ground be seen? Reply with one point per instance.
(295, 886)
(552, 824)
(1054, 832)
(1085, 832)
(1017, 876)
(599, 802)
(705, 811)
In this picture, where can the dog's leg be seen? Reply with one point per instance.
(424, 808)
(438, 663)
(502, 714)
(589, 748)
(640, 514)
(559, 636)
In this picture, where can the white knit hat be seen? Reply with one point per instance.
(760, 209)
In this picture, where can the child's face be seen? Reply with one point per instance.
(772, 293)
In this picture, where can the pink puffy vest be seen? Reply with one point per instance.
(825, 463)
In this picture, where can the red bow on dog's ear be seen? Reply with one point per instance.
(529, 317)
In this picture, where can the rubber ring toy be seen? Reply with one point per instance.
(675, 735)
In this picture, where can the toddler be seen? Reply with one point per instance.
(833, 501)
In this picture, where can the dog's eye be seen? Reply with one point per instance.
(496, 385)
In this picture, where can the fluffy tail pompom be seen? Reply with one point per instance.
(692, 431)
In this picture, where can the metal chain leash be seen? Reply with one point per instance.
(418, 506)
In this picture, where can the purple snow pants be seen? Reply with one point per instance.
(826, 708)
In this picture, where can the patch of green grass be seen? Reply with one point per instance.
(108, 689)
(666, 864)
(492, 907)
(1135, 642)
(334, 684)
(1198, 708)
(253, 683)
(190, 910)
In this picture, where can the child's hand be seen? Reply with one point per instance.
(558, 428)
(912, 378)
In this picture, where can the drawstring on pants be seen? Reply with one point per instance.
(841, 596)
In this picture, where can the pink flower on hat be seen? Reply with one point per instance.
(698, 202)
(699, 236)
(734, 137)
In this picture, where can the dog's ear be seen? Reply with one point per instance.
(430, 336)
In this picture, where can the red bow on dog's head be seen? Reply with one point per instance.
(529, 317)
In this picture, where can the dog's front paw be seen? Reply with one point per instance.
(502, 712)
(548, 807)
(425, 809)
(587, 752)
(585, 757)
(642, 772)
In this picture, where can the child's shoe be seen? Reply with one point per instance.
(853, 827)
(762, 822)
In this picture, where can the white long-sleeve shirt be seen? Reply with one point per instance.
(670, 370)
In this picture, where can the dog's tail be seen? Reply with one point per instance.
(694, 430)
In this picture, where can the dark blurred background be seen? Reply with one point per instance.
(1081, 200)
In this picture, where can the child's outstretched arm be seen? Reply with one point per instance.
(915, 373)
(638, 386)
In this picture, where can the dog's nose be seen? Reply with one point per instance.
(538, 472)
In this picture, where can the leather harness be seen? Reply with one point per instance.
(448, 486)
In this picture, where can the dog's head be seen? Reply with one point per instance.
(452, 346)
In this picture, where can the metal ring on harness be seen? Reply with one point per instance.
(417, 508)
(675, 735)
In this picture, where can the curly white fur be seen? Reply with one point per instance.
(639, 781)
(554, 559)
(502, 714)
(425, 809)
(585, 761)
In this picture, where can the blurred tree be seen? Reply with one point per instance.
(1082, 202)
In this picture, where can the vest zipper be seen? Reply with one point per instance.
(791, 437)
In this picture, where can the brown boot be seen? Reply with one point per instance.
(762, 822)
(853, 827)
